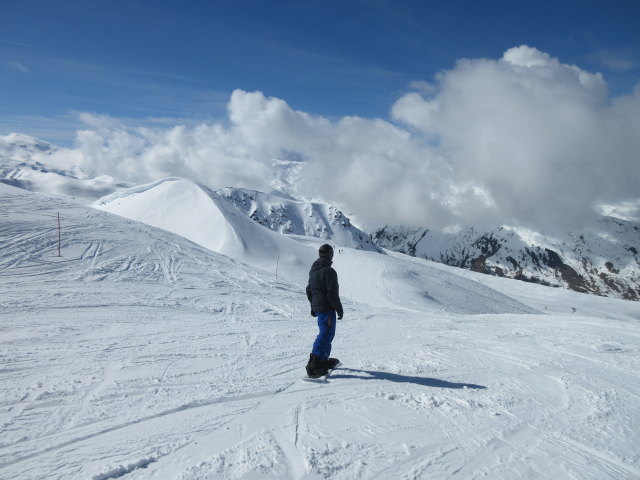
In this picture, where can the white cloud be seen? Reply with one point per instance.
(525, 56)
(540, 137)
(523, 139)
(629, 210)
(17, 66)
(617, 61)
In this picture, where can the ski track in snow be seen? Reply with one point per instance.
(138, 355)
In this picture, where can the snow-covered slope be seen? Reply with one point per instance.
(25, 163)
(209, 219)
(139, 354)
(151, 202)
(603, 259)
(200, 215)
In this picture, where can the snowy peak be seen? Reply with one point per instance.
(201, 215)
(179, 206)
(601, 260)
(23, 147)
(38, 177)
(28, 163)
(208, 217)
(293, 217)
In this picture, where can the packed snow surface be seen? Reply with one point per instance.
(139, 354)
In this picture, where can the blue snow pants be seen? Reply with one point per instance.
(327, 326)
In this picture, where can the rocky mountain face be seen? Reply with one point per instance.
(284, 214)
(603, 260)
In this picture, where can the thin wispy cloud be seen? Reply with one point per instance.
(55, 129)
(153, 92)
(617, 61)
(17, 66)
(20, 44)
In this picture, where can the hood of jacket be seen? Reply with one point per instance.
(321, 263)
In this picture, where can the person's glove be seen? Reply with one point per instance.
(340, 315)
(313, 314)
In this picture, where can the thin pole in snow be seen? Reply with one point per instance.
(277, 265)
(59, 237)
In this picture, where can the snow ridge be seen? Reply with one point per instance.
(603, 259)
(208, 218)
(293, 217)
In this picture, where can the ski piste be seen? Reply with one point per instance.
(134, 308)
(323, 378)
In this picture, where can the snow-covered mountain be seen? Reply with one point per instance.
(25, 162)
(283, 214)
(603, 259)
(209, 219)
(217, 219)
(23, 147)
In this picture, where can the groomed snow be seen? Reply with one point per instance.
(139, 354)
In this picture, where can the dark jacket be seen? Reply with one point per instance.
(323, 290)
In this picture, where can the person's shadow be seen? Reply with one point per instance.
(394, 377)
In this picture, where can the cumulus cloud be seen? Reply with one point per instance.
(523, 139)
(541, 138)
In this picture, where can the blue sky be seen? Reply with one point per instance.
(180, 61)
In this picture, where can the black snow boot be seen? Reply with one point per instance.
(332, 363)
(316, 367)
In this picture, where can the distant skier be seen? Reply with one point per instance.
(324, 296)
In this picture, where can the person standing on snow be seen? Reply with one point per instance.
(324, 296)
